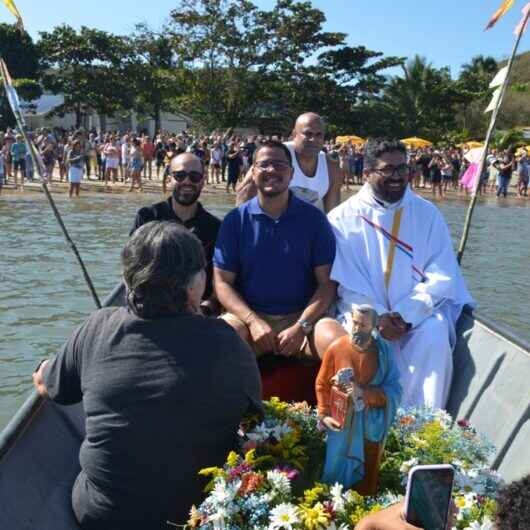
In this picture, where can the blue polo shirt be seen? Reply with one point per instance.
(274, 259)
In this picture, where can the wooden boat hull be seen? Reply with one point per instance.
(39, 447)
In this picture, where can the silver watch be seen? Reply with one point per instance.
(306, 326)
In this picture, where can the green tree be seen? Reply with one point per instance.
(153, 72)
(87, 68)
(473, 82)
(218, 45)
(341, 84)
(246, 66)
(422, 101)
(478, 73)
(21, 56)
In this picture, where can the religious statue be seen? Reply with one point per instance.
(358, 392)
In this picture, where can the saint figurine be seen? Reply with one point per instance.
(360, 366)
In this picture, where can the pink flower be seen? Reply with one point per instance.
(290, 473)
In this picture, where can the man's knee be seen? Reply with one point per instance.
(327, 330)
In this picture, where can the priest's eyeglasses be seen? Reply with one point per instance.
(388, 171)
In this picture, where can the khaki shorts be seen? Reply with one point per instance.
(278, 323)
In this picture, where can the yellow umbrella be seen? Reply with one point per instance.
(416, 142)
(471, 144)
(350, 139)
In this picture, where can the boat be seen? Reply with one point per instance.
(39, 447)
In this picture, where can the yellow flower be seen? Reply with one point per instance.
(460, 502)
(315, 517)
(232, 459)
(277, 405)
(195, 519)
(357, 514)
(311, 495)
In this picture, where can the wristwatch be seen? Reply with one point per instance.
(306, 326)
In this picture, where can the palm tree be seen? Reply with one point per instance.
(478, 73)
(420, 97)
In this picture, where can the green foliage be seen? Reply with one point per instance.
(245, 66)
(511, 139)
(421, 102)
(21, 56)
(231, 63)
(152, 72)
(86, 66)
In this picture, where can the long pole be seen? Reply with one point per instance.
(37, 163)
(473, 201)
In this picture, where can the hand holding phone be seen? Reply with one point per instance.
(428, 499)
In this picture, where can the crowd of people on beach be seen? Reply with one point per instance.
(133, 157)
(441, 170)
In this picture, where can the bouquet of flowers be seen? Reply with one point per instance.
(271, 482)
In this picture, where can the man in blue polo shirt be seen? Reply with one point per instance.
(272, 261)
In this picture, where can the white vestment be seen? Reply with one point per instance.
(425, 286)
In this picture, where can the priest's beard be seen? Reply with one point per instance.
(361, 339)
(185, 198)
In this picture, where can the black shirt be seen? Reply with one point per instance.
(163, 398)
(204, 225)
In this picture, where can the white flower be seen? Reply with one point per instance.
(336, 490)
(260, 433)
(218, 519)
(279, 482)
(444, 418)
(283, 516)
(487, 524)
(336, 497)
(470, 499)
(280, 430)
(224, 493)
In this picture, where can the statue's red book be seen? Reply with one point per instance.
(339, 405)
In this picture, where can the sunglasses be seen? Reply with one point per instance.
(193, 176)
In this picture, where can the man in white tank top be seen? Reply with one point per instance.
(317, 178)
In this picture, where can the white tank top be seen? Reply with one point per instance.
(310, 189)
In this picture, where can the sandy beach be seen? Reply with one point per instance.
(154, 186)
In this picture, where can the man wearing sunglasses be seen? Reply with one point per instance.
(394, 252)
(186, 172)
(272, 261)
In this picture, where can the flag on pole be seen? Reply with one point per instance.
(521, 27)
(11, 92)
(494, 100)
(10, 4)
(499, 78)
(503, 9)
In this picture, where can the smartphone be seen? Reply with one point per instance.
(428, 498)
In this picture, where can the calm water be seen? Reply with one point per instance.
(42, 295)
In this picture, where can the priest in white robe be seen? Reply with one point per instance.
(395, 253)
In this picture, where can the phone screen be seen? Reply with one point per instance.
(430, 494)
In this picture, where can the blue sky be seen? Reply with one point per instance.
(447, 32)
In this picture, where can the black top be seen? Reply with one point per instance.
(163, 398)
(204, 225)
